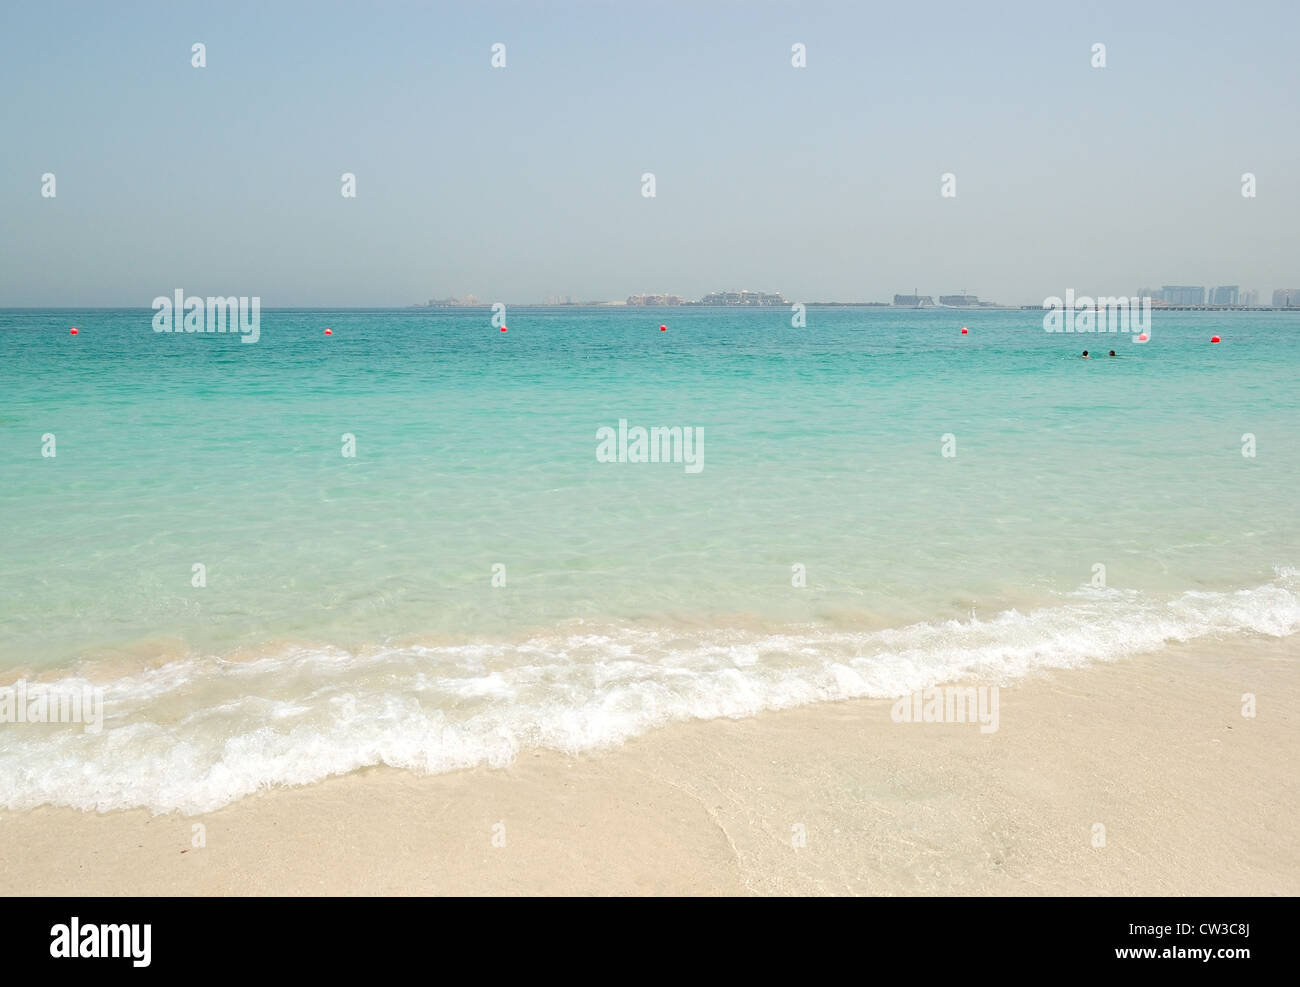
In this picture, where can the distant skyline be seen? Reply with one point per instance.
(1240, 297)
(523, 182)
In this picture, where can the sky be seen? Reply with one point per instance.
(524, 182)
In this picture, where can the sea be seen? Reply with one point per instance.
(420, 541)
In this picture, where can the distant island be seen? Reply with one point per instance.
(743, 298)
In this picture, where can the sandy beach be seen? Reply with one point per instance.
(1195, 798)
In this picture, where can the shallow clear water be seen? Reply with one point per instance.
(349, 615)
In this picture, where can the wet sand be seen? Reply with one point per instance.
(1195, 798)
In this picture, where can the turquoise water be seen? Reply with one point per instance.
(349, 615)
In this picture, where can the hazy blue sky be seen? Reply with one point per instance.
(523, 182)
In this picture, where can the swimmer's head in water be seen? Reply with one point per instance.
(1112, 353)
(1085, 353)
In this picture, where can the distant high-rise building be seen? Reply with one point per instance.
(1225, 295)
(1286, 298)
(958, 300)
(1181, 294)
(913, 301)
(1249, 298)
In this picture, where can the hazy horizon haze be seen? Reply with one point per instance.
(524, 182)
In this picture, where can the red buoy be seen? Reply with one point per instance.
(73, 330)
(1214, 339)
(964, 330)
(503, 328)
(1142, 337)
(329, 332)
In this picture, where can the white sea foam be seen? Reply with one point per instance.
(200, 733)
